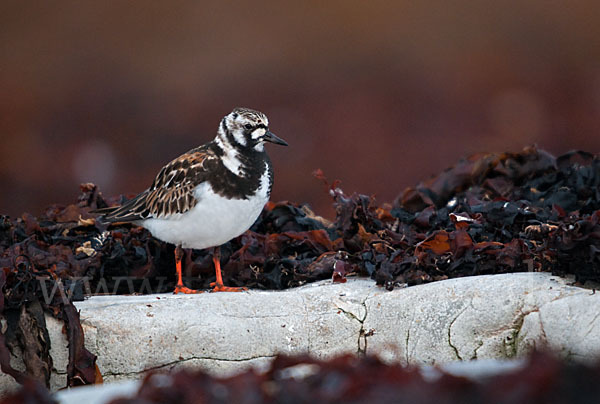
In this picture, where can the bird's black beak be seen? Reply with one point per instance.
(270, 137)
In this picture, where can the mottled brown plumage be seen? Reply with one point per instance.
(172, 191)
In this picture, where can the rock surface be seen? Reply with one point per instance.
(494, 316)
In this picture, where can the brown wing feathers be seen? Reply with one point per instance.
(171, 192)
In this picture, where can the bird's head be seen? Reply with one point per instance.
(246, 128)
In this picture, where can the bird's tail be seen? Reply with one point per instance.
(115, 214)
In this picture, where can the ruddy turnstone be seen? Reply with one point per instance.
(209, 195)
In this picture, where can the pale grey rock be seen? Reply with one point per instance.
(568, 324)
(499, 316)
(484, 317)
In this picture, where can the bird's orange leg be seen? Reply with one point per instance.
(218, 285)
(179, 288)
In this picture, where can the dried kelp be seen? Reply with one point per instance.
(40, 263)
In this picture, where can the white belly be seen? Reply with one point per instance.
(213, 221)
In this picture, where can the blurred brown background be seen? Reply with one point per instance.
(379, 94)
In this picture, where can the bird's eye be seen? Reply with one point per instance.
(248, 126)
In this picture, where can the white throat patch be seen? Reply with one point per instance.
(230, 156)
(232, 162)
(239, 138)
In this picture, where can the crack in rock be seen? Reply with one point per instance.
(180, 361)
(450, 334)
(518, 324)
(362, 334)
(407, 339)
(476, 349)
(511, 347)
(591, 325)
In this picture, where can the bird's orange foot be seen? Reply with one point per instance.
(223, 288)
(185, 290)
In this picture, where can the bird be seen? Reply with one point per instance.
(209, 195)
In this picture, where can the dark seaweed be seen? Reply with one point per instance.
(490, 213)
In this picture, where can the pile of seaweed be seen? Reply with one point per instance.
(349, 379)
(490, 213)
